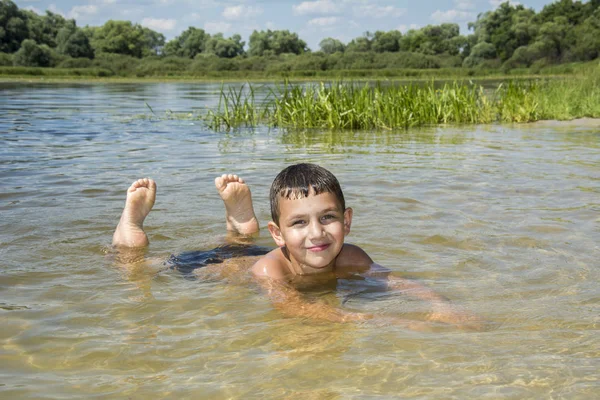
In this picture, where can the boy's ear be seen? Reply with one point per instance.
(276, 234)
(347, 220)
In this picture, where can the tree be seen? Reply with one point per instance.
(386, 41)
(555, 37)
(32, 54)
(191, 42)
(412, 40)
(73, 42)
(440, 39)
(587, 42)
(44, 29)
(480, 52)
(275, 42)
(225, 48)
(123, 37)
(361, 44)
(331, 45)
(153, 42)
(13, 27)
(574, 11)
(498, 28)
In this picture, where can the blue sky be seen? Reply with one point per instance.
(311, 20)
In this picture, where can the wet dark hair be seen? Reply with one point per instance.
(296, 182)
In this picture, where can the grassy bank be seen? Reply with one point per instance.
(164, 74)
(391, 106)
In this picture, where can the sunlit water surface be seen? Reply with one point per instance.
(503, 220)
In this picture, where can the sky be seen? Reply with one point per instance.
(311, 20)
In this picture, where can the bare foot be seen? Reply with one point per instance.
(239, 212)
(140, 199)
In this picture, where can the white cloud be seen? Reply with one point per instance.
(55, 10)
(451, 16)
(315, 7)
(35, 10)
(324, 21)
(79, 11)
(240, 12)
(496, 3)
(378, 11)
(465, 4)
(158, 24)
(217, 27)
(404, 28)
(108, 1)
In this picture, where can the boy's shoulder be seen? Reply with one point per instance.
(271, 265)
(352, 259)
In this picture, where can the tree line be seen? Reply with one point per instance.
(510, 36)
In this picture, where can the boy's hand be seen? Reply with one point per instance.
(450, 314)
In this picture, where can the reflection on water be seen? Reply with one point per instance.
(504, 220)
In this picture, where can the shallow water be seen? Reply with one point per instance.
(504, 220)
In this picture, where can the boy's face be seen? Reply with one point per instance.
(313, 230)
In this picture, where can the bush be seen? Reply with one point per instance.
(6, 59)
(210, 62)
(118, 64)
(75, 63)
(32, 54)
(167, 66)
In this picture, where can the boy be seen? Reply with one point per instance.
(309, 224)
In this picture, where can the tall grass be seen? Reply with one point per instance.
(341, 105)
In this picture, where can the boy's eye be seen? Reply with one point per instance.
(328, 217)
(298, 222)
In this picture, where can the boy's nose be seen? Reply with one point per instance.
(316, 230)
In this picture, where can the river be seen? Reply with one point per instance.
(502, 219)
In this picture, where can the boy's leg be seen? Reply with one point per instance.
(239, 211)
(140, 199)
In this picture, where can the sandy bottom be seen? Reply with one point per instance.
(578, 122)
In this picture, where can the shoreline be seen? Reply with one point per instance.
(183, 79)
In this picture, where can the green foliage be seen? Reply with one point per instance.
(55, 72)
(75, 63)
(168, 66)
(237, 107)
(117, 64)
(43, 29)
(481, 51)
(13, 27)
(6, 59)
(386, 106)
(386, 41)
(331, 45)
(506, 28)
(73, 42)
(587, 38)
(275, 42)
(361, 44)
(123, 37)
(191, 42)
(508, 38)
(32, 54)
(225, 48)
(433, 40)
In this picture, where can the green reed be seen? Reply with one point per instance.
(340, 105)
(236, 108)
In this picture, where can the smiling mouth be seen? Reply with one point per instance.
(319, 248)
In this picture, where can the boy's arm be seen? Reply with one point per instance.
(442, 308)
(293, 304)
